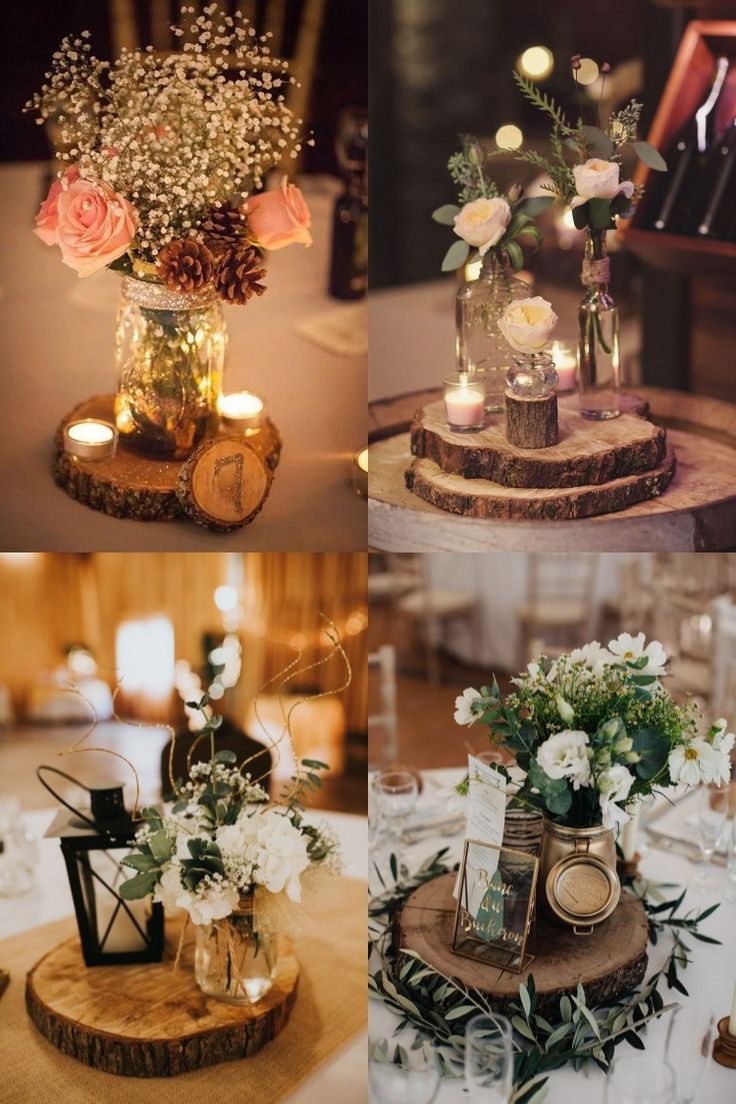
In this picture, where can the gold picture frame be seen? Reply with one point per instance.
(493, 916)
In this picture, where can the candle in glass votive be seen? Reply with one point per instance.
(241, 410)
(465, 402)
(360, 472)
(90, 439)
(566, 365)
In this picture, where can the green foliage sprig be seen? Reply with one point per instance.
(438, 1007)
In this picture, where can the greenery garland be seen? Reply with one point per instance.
(438, 1007)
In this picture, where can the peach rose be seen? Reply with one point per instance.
(47, 219)
(95, 225)
(280, 217)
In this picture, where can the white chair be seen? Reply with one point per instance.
(559, 612)
(724, 658)
(384, 662)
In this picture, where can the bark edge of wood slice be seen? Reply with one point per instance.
(146, 1021)
(587, 452)
(608, 963)
(131, 484)
(483, 499)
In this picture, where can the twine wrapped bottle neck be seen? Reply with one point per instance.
(595, 272)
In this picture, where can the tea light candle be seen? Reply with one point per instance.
(465, 402)
(360, 472)
(241, 410)
(566, 365)
(90, 439)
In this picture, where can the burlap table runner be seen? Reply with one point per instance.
(331, 1008)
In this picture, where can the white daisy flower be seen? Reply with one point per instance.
(696, 762)
(626, 648)
(468, 706)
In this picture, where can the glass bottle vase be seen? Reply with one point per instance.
(232, 961)
(598, 341)
(479, 344)
(170, 356)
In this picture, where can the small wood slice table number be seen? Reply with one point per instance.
(224, 483)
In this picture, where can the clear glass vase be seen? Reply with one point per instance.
(479, 344)
(170, 356)
(232, 961)
(598, 344)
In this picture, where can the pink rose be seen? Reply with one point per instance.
(47, 219)
(95, 225)
(280, 217)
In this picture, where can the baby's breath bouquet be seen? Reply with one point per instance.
(595, 731)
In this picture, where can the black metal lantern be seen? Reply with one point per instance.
(112, 931)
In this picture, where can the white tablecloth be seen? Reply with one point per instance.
(709, 979)
(339, 1079)
(59, 349)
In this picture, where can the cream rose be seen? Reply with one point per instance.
(483, 222)
(94, 226)
(47, 219)
(598, 179)
(527, 324)
(280, 217)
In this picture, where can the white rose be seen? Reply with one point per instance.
(598, 179)
(527, 324)
(483, 222)
(565, 755)
(467, 706)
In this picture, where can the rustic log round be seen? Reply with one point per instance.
(145, 1020)
(587, 452)
(482, 499)
(697, 512)
(607, 963)
(131, 485)
(224, 484)
(531, 422)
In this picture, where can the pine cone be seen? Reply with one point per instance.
(239, 273)
(224, 228)
(185, 265)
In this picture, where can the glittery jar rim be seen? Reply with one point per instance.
(143, 293)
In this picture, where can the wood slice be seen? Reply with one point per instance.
(609, 962)
(145, 1020)
(224, 483)
(131, 484)
(479, 498)
(531, 423)
(588, 452)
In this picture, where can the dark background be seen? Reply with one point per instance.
(32, 30)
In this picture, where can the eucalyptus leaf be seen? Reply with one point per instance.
(599, 214)
(534, 205)
(652, 747)
(598, 142)
(456, 256)
(650, 156)
(225, 756)
(135, 888)
(446, 214)
(515, 255)
(160, 845)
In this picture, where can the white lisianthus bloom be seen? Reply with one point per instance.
(614, 785)
(482, 222)
(468, 706)
(598, 179)
(527, 324)
(279, 852)
(566, 711)
(593, 655)
(696, 762)
(565, 755)
(722, 740)
(627, 647)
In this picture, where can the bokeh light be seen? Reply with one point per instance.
(588, 71)
(537, 62)
(509, 136)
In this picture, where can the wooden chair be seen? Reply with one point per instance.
(429, 609)
(229, 738)
(136, 25)
(384, 662)
(559, 612)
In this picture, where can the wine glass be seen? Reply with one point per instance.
(712, 809)
(397, 792)
(489, 1060)
(688, 1048)
(730, 834)
(639, 1077)
(401, 1076)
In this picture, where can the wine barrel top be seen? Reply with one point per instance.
(131, 484)
(608, 962)
(697, 512)
(588, 452)
(145, 1020)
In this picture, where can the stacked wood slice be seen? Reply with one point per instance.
(595, 468)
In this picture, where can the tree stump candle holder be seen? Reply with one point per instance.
(531, 421)
(223, 485)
